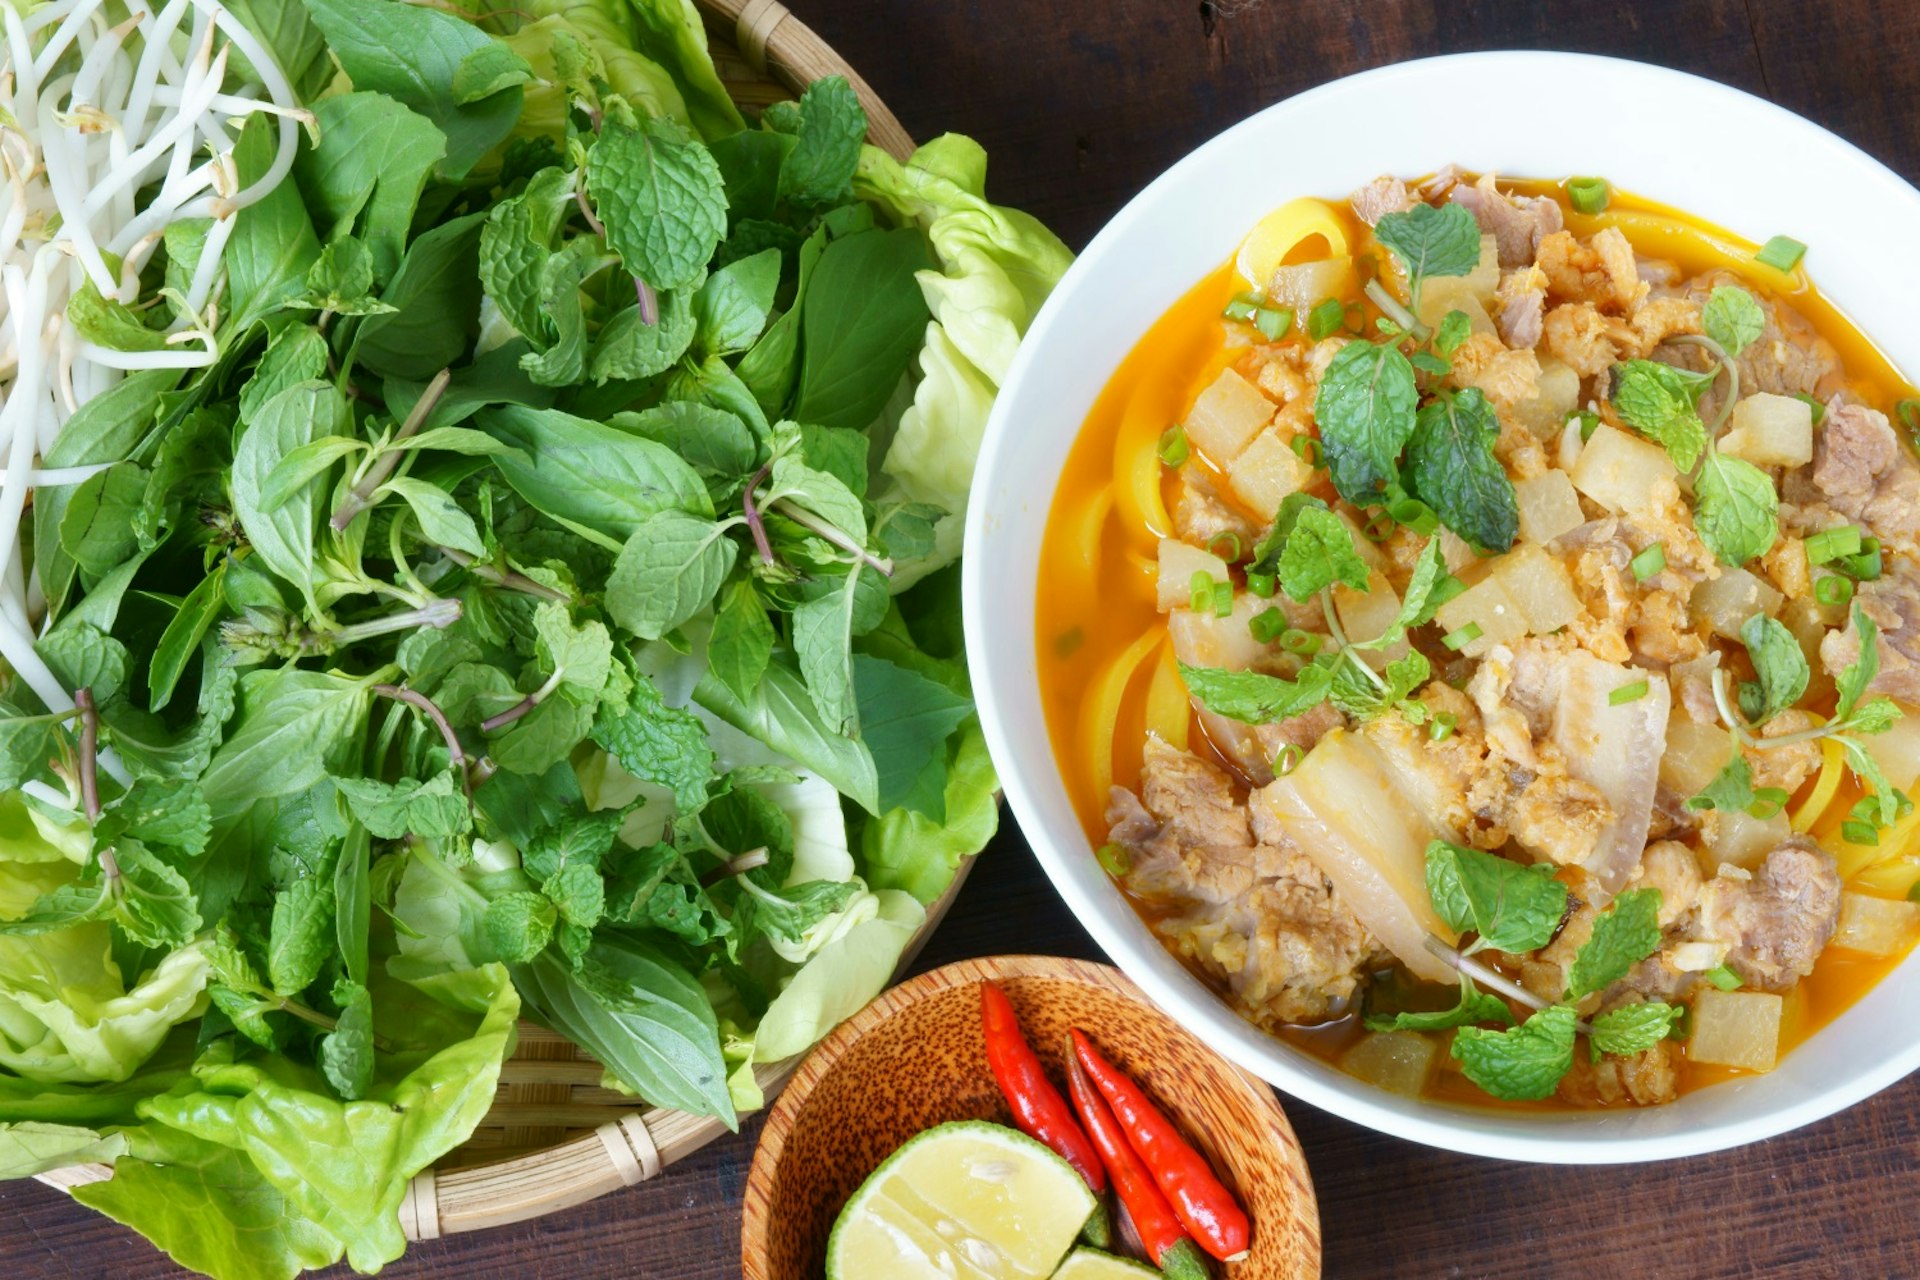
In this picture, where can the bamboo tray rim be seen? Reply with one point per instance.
(763, 54)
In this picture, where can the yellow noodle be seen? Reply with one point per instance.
(1833, 767)
(1100, 713)
(1168, 713)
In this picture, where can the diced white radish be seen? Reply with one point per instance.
(1897, 751)
(1266, 471)
(1540, 585)
(1770, 431)
(1179, 561)
(1557, 394)
(1735, 838)
(1620, 471)
(1369, 550)
(1549, 506)
(1725, 603)
(1397, 1061)
(1365, 615)
(1455, 551)
(1453, 293)
(1695, 753)
(1735, 1029)
(1876, 926)
(1305, 285)
(1484, 279)
(1489, 607)
(1204, 639)
(1337, 806)
(1228, 414)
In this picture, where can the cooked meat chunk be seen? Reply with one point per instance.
(1559, 818)
(1517, 223)
(1893, 602)
(1670, 867)
(1789, 355)
(1506, 377)
(1200, 515)
(1384, 195)
(1861, 473)
(1523, 296)
(1623, 272)
(1789, 766)
(1643, 1080)
(1775, 924)
(1580, 336)
(1258, 916)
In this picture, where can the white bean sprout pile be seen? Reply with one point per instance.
(115, 124)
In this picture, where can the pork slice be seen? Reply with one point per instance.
(1643, 1079)
(1517, 223)
(1523, 299)
(1860, 473)
(1788, 357)
(1384, 195)
(1892, 601)
(1775, 924)
(1186, 834)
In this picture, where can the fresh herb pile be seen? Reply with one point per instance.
(543, 604)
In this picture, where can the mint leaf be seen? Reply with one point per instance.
(582, 839)
(1735, 509)
(1418, 605)
(341, 281)
(1732, 318)
(394, 810)
(1474, 1006)
(577, 892)
(668, 571)
(832, 126)
(1875, 716)
(1524, 1063)
(1451, 462)
(657, 743)
(346, 1052)
(1778, 663)
(1455, 328)
(630, 348)
(301, 935)
(1632, 1028)
(1657, 400)
(516, 243)
(1432, 241)
(1365, 411)
(1253, 698)
(1883, 804)
(1854, 678)
(1626, 933)
(518, 925)
(1731, 789)
(85, 657)
(661, 197)
(1512, 907)
(1355, 694)
(580, 654)
(1319, 552)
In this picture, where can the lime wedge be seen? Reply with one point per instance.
(1091, 1264)
(964, 1201)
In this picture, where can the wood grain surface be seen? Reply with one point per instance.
(1080, 103)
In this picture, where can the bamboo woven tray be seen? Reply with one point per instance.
(555, 1138)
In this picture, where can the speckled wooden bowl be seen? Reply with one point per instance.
(915, 1058)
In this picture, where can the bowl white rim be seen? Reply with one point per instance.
(1586, 1139)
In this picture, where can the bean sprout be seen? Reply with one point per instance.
(117, 120)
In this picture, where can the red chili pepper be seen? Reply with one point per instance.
(1167, 1244)
(1038, 1108)
(1205, 1207)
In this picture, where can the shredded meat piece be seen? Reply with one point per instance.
(1200, 515)
(1893, 602)
(1523, 296)
(1670, 867)
(1575, 272)
(1643, 1079)
(1776, 924)
(1861, 473)
(1789, 766)
(1579, 335)
(1517, 223)
(1257, 916)
(1659, 319)
(1624, 616)
(1559, 818)
(1789, 355)
(1384, 195)
(1507, 377)
(1622, 269)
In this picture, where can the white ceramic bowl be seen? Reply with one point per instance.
(1716, 152)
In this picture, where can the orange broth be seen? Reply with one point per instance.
(1097, 609)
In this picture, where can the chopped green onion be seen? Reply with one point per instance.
(1267, 625)
(1628, 693)
(1414, 514)
(1833, 590)
(1458, 640)
(1767, 801)
(1723, 978)
(1589, 195)
(1308, 450)
(1444, 590)
(1649, 562)
(1243, 307)
(1303, 643)
(1831, 544)
(1226, 545)
(1379, 527)
(1589, 423)
(1326, 319)
(1222, 599)
(1908, 411)
(1273, 322)
(1200, 591)
(1068, 642)
(1913, 891)
(1113, 860)
(1173, 446)
(1261, 584)
(1864, 567)
(1288, 760)
(1442, 726)
(1782, 253)
(1820, 410)
(1854, 831)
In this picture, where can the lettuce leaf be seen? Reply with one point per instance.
(840, 978)
(909, 851)
(67, 1015)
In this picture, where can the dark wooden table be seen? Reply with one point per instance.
(1081, 103)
